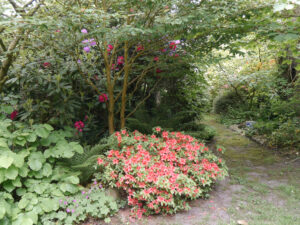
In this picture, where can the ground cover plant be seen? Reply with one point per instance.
(161, 172)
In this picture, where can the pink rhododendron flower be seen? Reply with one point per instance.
(158, 129)
(156, 59)
(172, 45)
(163, 50)
(110, 48)
(13, 115)
(84, 31)
(103, 98)
(177, 42)
(46, 64)
(87, 49)
(100, 161)
(120, 60)
(176, 55)
(158, 70)
(79, 125)
(57, 31)
(140, 48)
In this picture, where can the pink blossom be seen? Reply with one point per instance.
(140, 48)
(84, 31)
(120, 60)
(13, 115)
(103, 98)
(110, 48)
(87, 49)
(156, 59)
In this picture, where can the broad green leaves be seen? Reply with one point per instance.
(25, 167)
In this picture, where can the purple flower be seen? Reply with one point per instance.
(95, 182)
(87, 197)
(74, 200)
(83, 192)
(93, 43)
(65, 202)
(68, 210)
(84, 31)
(79, 61)
(86, 49)
(60, 201)
(85, 41)
(73, 210)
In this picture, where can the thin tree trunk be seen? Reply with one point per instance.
(125, 85)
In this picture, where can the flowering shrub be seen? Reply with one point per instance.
(160, 172)
(103, 98)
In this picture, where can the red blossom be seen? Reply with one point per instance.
(14, 114)
(46, 64)
(102, 98)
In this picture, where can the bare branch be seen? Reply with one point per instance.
(2, 45)
(141, 102)
(17, 8)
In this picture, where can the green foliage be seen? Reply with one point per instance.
(224, 102)
(91, 203)
(31, 177)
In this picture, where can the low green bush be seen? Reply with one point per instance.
(31, 176)
(91, 203)
(223, 102)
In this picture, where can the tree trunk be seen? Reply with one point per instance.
(125, 85)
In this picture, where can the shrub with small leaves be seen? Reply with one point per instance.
(94, 202)
(160, 172)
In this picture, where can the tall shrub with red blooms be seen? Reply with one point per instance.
(159, 172)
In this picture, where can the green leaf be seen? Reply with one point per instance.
(17, 182)
(23, 203)
(49, 205)
(47, 170)
(8, 186)
(31, 137)
(76, 147)
(23, 220)
(36, 161)
(72, 179)
(23, 172)
(18, 160)
(3, 144)
(5, 161)
(2, 211)
(48, 127)
(2, 175)
(71, 188)
(42, 132)
(11, 173)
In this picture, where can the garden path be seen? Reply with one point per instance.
(262, 188)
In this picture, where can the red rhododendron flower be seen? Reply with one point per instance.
(220, 149)
(156, 59)
(158, 70)
(103, 98)
(140, 48)
(46, 64)
(13, 115)
(172, 45)
(120, 60)
(110, 48)
(79, 125)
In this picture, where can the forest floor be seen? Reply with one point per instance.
(262, 188)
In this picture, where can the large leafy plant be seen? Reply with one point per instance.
(161, 172)
(31, 176)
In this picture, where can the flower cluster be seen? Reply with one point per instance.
(13, 115)
(79, 125)
(160, 172)
(103, 98)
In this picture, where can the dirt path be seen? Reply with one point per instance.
(262, 189)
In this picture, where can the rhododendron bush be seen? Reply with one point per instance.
(160, 172)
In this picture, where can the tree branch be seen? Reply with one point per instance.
(141, 102)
